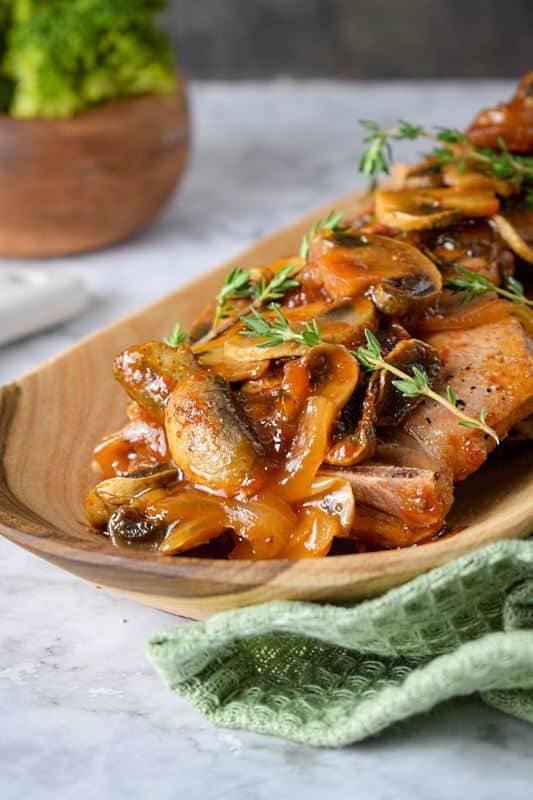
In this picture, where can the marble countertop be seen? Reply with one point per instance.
(82, 713)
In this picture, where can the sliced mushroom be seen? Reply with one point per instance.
(420, 209)
(397, 275)
(115, 492)
(338, 323)
(333, 373)
(209, 439)
(345, 323)
(474, 181)
(129, 526)
(391, 405)
(149, 372)
(233, 369)
(353, 446)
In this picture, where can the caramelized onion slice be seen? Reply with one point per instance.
(421, 209)
(334, 497)
(333, 371)
(265, 523)
(194, 518)
(314, 535)
(510, 235)
(191, 517)
(307, 450)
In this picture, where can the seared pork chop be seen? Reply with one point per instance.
(407, 488)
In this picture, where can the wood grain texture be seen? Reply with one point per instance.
(72, 185)
(51, 418)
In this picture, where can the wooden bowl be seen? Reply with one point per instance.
(51, 418)
(78, 184)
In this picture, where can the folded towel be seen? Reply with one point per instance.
(330, 675)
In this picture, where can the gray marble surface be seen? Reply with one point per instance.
(82, 714)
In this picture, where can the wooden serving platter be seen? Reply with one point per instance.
(51, 418)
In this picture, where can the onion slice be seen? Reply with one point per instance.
(511, 236)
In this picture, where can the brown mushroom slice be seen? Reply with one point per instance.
(391, 405)
(115, 492)
(149, 372)
(246, 349)
(339, 323)
(399, 277)
(345, 323)
(354, 447)
(333, 373)
(209, 439)
(474, 181)
(130, 527)
(232, 369)
(421, 209)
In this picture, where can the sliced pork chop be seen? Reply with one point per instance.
(407, 493)
(406, 490)
(488, 367)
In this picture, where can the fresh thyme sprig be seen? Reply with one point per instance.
(499, 164)
(177, 336)
(378, 156)
(278, 286)
(237, 284)
(278, 330)
(259, 293)
(331, 222)
(473, 284)
(417, 384)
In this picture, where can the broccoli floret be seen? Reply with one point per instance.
(66, 55)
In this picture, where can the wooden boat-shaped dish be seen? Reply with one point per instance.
(51, 418)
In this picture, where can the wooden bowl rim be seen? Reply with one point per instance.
(100, 109)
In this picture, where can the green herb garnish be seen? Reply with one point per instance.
(417, 384)
(473, 285)
(177, 336)
(278, 330)
(237, 284)
(331, 222)
(499, 163)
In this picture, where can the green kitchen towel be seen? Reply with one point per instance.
(330, 675)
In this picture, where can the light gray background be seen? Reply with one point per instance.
(82, 714)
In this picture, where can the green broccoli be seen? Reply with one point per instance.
(63, 56)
